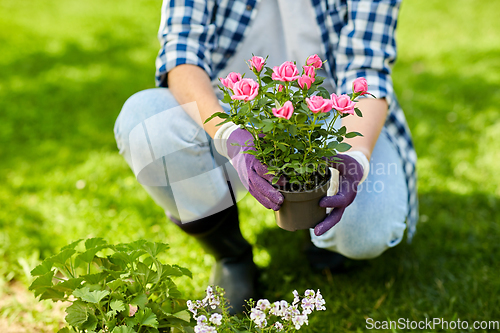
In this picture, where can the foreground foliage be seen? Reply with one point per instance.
(128, 290)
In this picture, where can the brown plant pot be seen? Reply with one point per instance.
(301, 210)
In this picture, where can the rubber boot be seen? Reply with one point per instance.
(321, 259)
(234, 269)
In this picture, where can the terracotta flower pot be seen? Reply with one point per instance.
(300, 209)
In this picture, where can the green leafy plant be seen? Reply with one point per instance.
(290, 116)
(121, 288)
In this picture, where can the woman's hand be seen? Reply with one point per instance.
(350, 173)
(252, 173)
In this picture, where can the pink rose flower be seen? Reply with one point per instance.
(360, 86)
(280, 88)
(257, 63)
(245, 89)
(319, 104)
(314, 61)
(230, 80)
(305, 80)
(310, 71)
(285, 111)
(287, 72)
(343, 103)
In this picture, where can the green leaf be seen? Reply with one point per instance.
(183, 315)
(217, 114)
(282, 147)
(226, 98)
(89, 255)
(90, 296)
(78, 313)
(184, 270)
(42, 283)
(65, 330)
(69, 285)
(71, 245)
(117, 305)
(169, 270)
(123, 329)
(95, 278)
(90, 324)
(95, 242)
(42, 269)
(342, 131)
(156, 248)
(353, 134)
(52, 294)
(140, 300)
(342, 147)
(113, 285)
(146, 317)
(358, 112)
(332, 144)
(267, 80)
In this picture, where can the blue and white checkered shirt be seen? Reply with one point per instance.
(358, 40)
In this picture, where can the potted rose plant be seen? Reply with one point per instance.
(291, 118)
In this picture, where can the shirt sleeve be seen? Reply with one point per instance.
(186, 36)
(367, 46)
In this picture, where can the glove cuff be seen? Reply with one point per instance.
(361, 159)
(221, 136)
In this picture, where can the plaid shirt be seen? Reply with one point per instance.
(358, 40)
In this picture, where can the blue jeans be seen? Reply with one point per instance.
(174, 159)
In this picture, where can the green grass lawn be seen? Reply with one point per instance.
(66, 67)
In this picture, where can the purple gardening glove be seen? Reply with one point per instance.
(251, 171)
(351, 173)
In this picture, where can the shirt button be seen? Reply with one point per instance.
(249, 7)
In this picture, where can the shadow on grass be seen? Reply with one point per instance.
(448, 270)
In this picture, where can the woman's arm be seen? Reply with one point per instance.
(190, 83)
(370, 125)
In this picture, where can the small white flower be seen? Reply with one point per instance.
(275, 309)
(308, 305)
(278, 326)
(263, 304)
(258, 317)
(296, 298)
(299, 320)
(309, 293)
(216, 319)
(203, 328)
(201, 319)
(320, 302)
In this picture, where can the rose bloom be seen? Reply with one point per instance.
(314, 61)
(343, 103)
(319, 104)
(287, 72)
(230, 80)
(285, 111)
(305, 80)
(245, 89)
(257, 63)
(309, 71)
(360, 86)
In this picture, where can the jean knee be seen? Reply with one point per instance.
(368, 236)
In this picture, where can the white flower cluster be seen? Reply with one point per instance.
(212, 301)
(280, 315)
(288, 312)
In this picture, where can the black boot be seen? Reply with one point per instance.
(234, 269)
(320, 259)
